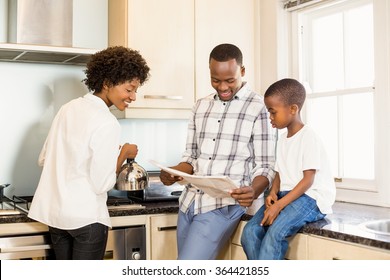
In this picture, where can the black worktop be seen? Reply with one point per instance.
(342, 225)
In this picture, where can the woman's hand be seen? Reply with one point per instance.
(126, 151)
(129, 150)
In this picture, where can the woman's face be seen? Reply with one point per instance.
(226, 78)
(123, 94)
(280, 114)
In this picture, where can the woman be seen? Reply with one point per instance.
(80, 157)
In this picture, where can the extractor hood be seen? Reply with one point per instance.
(42, 31)
(45, 54)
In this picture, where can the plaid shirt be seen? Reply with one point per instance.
(232, 138)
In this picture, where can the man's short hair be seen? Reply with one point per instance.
(225, 52)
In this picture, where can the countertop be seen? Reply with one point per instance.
(342, 225)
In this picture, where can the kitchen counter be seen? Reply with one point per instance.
(342, 225)
(150, 209)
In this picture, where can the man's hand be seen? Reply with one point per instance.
(244, 196)
(168, 179)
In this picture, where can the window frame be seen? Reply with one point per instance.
(375, 192)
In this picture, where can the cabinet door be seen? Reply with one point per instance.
(163, 32)
(237, 252)
(163, 237)
(297, 247)
(225, 21)
(326, 249)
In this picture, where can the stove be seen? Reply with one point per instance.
(21, 204)
(122, 203)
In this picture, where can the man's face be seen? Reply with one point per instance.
(226, 78)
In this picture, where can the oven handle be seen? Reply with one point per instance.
(25, 248)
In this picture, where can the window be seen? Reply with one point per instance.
(336, 50)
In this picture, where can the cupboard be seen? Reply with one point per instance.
(163, 237)
(176, 46)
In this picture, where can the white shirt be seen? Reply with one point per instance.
(79, 162)
(304, 151)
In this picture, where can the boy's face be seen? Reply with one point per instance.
(226, 78)
(123, 94)
(281, 115)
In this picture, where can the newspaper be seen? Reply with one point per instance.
(215, 186)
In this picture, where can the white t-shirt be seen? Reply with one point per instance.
(304, 151)
(79, 163)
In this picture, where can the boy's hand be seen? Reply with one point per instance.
(271, 199)
(270, 214)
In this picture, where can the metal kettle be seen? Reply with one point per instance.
(132, 177)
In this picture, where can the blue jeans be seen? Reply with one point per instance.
(202, 236)
(270, 242)
(86, 243)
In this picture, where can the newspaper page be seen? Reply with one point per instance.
(215, 186)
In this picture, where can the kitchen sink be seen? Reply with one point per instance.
(377, 226)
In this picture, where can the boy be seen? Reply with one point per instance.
(303, 190)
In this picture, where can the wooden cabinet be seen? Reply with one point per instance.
(237, 252)
(297, 247)
(176, 38)
(320, 248)
(225, 21)
(163, 32)
(310, 247)
(163, 245)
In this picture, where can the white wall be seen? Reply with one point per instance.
(31, 94)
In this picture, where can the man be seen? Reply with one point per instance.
(228, 134)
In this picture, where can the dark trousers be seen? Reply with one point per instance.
(86, 243)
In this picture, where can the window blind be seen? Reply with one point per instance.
(292, 5)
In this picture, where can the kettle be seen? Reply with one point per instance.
(132, 177)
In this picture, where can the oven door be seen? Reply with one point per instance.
(127, 243)
(26, 247)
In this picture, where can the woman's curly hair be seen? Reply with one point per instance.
(114, 66)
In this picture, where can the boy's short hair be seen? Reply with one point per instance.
(290, 91)
(225, 52)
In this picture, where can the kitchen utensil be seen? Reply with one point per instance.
(132, 177)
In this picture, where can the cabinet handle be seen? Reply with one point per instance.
(166, 228)
(169, 97)
(25, 248)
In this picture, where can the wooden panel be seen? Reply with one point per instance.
(326, 249)
(236, 238)
(297, 247)
(117, 23)
(237, 253)
(163, 243)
